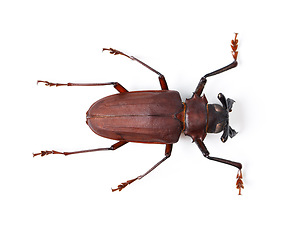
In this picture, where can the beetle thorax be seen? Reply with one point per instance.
(196, 117)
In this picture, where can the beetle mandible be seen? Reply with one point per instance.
(158, 116)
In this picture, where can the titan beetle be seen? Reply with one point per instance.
(158, 117)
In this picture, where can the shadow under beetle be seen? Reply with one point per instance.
(158, 117)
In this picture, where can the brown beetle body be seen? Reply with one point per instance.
(158, 117)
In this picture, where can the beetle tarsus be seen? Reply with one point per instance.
(52, 84)
(44, 153)
(112, 51)
(124, 184)
(234, 45)
(115, 52)
(239, 182)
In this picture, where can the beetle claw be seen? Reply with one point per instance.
(46, 83)
(112, 51)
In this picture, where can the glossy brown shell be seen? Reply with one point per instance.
(196, 117)
(142, 116)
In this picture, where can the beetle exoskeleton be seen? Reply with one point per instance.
(158, 117)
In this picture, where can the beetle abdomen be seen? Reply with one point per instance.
(144, 116)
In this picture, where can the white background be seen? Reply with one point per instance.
(188, 196)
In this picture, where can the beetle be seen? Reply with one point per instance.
(158, 117)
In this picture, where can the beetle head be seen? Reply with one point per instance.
(218, 118)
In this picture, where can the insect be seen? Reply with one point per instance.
(158, 117)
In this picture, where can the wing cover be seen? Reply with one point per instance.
(142, 116)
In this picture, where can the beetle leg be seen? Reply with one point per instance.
(116, 85)
(203, 81)
(113, 147)
(161, 78)
(167, 155)
(204, 150)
